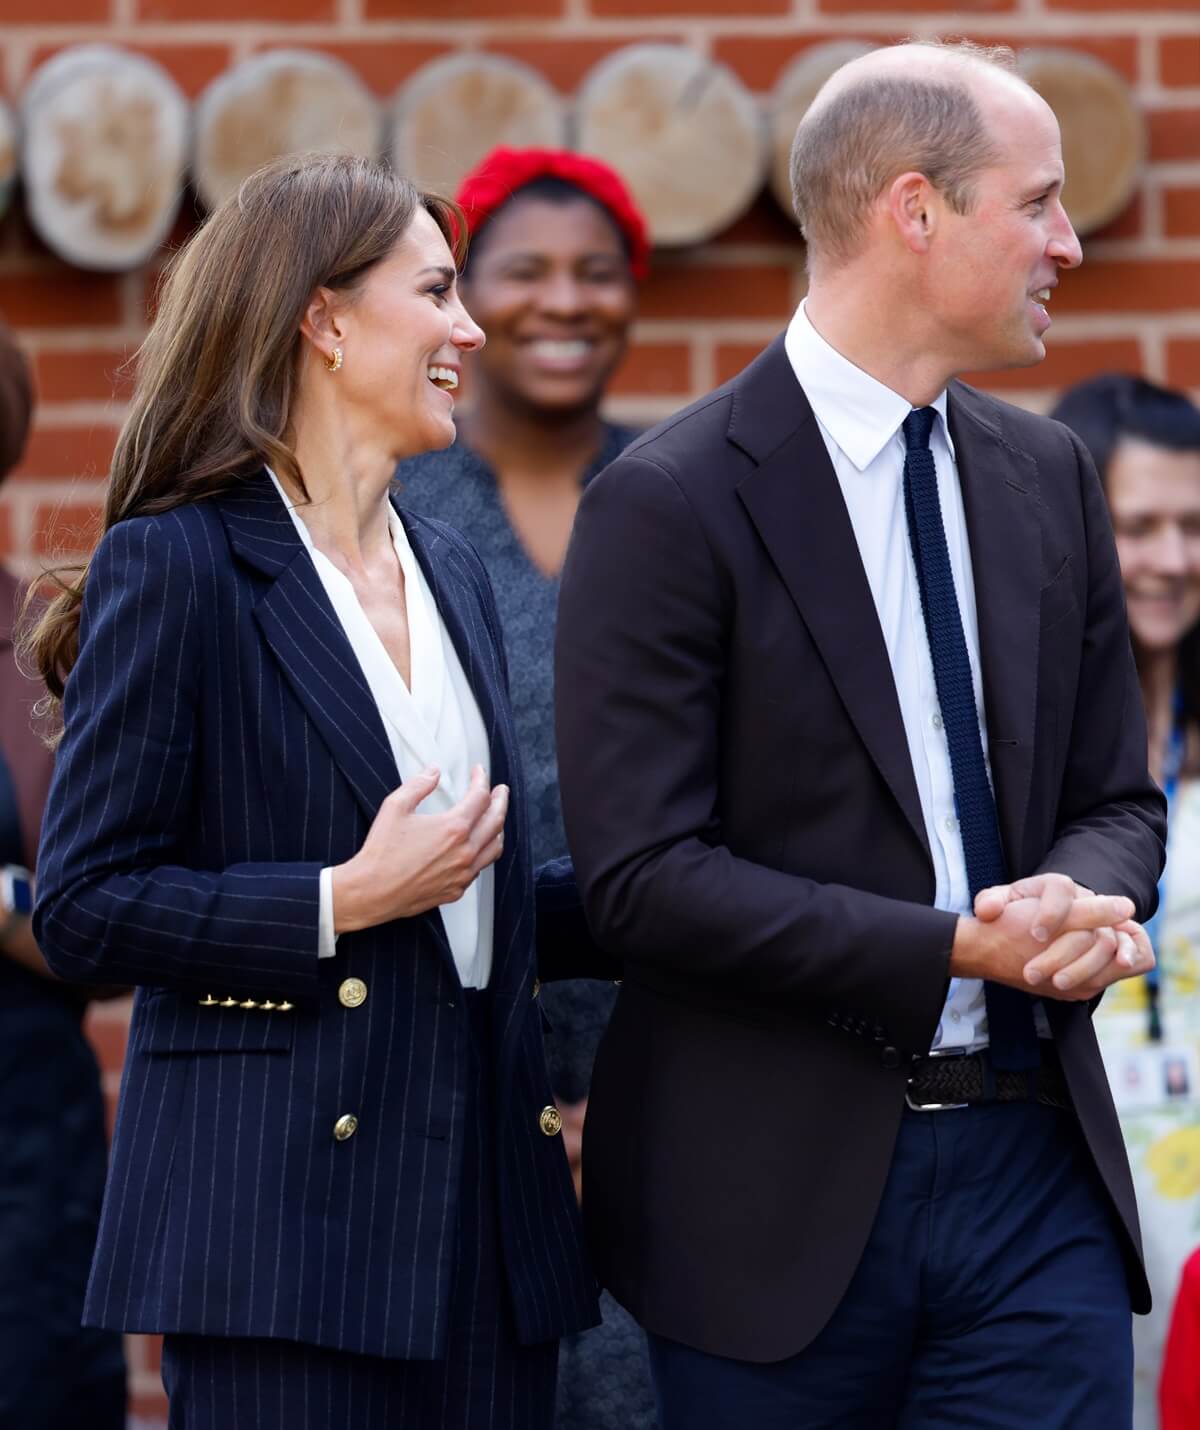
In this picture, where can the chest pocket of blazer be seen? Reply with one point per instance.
(177, 1023)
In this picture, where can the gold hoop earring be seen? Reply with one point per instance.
(334, 360)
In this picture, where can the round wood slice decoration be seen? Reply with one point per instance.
(1103, 132)
(794, 91)
(682, 131)
(271, 105)
(453, 111)
(8, 155)
(103, 151)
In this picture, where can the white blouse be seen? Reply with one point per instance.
(436, 722)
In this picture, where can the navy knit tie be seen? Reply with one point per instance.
(1011, 1032)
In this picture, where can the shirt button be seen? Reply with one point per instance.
(352, 993)
(937, 721)
(955, 1016)
(949, 824)
(346, 1126)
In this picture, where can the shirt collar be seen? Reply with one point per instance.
(857, 410)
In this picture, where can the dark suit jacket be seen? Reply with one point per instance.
(222, 746)
(747, 835)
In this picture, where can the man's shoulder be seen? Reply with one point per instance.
(676, 441)
(1029, 432)
(708, 439)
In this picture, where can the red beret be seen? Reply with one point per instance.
(496, 178)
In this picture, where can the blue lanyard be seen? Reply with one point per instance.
(1172, 769)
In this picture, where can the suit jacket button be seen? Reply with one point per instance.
(345, 1126)
(891, 1057)
(352, 993)
(550, 1121)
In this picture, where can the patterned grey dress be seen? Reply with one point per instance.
(604, 1376)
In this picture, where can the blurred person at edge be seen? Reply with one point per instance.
(1145, 442)
(557, 249)
(281, 809)
(54, 1375)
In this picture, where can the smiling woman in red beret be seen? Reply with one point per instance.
(557, 249)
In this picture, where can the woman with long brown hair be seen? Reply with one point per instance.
(282, 810)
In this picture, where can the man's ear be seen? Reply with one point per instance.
(322, 323)
(912, 203)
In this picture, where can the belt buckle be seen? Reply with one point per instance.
(936, 1106)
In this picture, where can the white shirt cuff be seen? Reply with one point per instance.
(326, 938)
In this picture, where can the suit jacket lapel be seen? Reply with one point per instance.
(299, 625)
(999, 487)
(794, 500)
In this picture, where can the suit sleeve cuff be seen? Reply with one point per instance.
(326, 937)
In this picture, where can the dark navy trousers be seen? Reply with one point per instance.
(487, 1381)
(991, 1296)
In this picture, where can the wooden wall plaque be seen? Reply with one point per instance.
(1103, 132)
(278, 103)
(453, 111)
(8, 155)
(103, 149)
(794, 91)
(683, 132)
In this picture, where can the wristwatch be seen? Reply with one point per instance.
(16, 898)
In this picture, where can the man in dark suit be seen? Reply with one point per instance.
(853, 770)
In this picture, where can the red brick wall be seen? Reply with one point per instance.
(1134, 305)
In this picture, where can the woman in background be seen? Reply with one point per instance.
(1145, 441)
(557, 249)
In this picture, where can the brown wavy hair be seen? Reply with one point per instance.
(216, 375)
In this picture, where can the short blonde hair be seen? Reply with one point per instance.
(848, 148)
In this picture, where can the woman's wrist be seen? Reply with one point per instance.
(351, 898)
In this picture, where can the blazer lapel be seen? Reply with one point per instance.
(794, 501)
(307, 639)
(1000, 490)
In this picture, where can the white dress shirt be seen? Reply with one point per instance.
(860, 420)
(436, 722)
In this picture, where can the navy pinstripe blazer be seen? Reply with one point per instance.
(221, 746)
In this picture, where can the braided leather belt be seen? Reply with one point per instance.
(963, 1079)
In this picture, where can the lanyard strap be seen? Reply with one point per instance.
(1172, 769)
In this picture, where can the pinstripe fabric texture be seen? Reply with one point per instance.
(221, 746)
(485, 1381)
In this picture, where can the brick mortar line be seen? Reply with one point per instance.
(1077, 327)
(1067, 25)
(79, 414)
(70, 340)
(702, 34)
(1154, 355)
(686, 330)
(1149, 248)
(32, 492)
(1147, 61)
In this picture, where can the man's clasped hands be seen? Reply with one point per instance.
(1051, 936)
